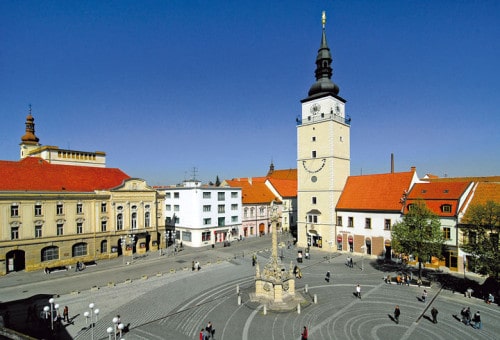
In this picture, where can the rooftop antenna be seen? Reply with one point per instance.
(195, 170)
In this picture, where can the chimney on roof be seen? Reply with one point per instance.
(250, 180)
(413, 168)
(392, 163)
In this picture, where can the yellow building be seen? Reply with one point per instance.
(55, 215)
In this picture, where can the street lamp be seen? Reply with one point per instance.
(51, 308)
(120, 328)
(91, 316)
(123, 241)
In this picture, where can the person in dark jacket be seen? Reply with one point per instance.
(397, 313)
(434, 313)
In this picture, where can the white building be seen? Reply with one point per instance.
(200, 215)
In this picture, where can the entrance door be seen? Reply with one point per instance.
(15, 261)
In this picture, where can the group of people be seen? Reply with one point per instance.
(207, 332)
(468, 319)
(348, 262)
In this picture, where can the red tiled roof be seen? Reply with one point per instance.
(375, 192)
(252, 192)
(36, 174)
(437, 194)
(290, 174)
(486, 192)
(465, 179)
(285, 187)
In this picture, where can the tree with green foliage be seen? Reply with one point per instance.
(419, 234)
(481, 226)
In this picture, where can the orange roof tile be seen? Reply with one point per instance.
(437, 194)
(252, 192)
(285, 187)
(36, 174)
(483, 193)
(375, 192)
(465, 179)
(290, 174)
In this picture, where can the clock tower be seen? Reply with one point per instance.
(323, 155)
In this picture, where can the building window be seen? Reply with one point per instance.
(104, 246)
(14, 233)
(207, 208)
(234, 219)
(60, 229)
(134, 220)
(313, 200)
(167, 195)
(368, 223)
(312, 218)
(50, 253)
(79, 249)
(79, 208)
(221, 209)
(104, 225)
(245, 212)
(313, 154)
(221, 221)
(339, 221)
(205, 236)
(234, 194)
(147, 219)
(186, 236)
(104, 207)
(262, 211)
(387, 224)
(168, 207)
(221, 196)
(119, 222)
(410, 207)
(350, 221)
(206, 194)
(234, 207)
(79, 227)
(313, 138)
(207, 221)
(38, 209)
(176, 195)
(59, 209)
(446, 208)
(176, 208)
(447, 233)
(14, 210)
(38, 231)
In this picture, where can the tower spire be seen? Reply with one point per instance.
(29, 136)
(324, 71)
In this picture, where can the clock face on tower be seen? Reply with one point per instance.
(315, 108)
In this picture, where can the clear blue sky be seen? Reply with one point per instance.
(165, 86)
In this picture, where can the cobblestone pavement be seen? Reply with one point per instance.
(173, 302)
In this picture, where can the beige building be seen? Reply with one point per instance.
(54, 215)
(323, 155)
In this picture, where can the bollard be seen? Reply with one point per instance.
(315, 299)
(238, 289)
(239, 300)
(265, 309)
(306, 288)
(298, 308)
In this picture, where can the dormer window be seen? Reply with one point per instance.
(446, 208)
(410, 207)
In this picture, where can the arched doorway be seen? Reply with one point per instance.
(262, 229)
(15, 260)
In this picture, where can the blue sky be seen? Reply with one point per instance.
(166, 86)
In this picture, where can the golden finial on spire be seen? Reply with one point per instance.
(323, 18)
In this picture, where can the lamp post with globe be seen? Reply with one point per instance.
(91, 316)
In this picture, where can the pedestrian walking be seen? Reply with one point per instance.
(358, 291)
(210, 329)
(327, 278)
(397, 313)
(66, 314)
(424, 296)
(304, 333)
(434, 313)
(477, 321)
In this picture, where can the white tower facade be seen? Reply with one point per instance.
(323, 155)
